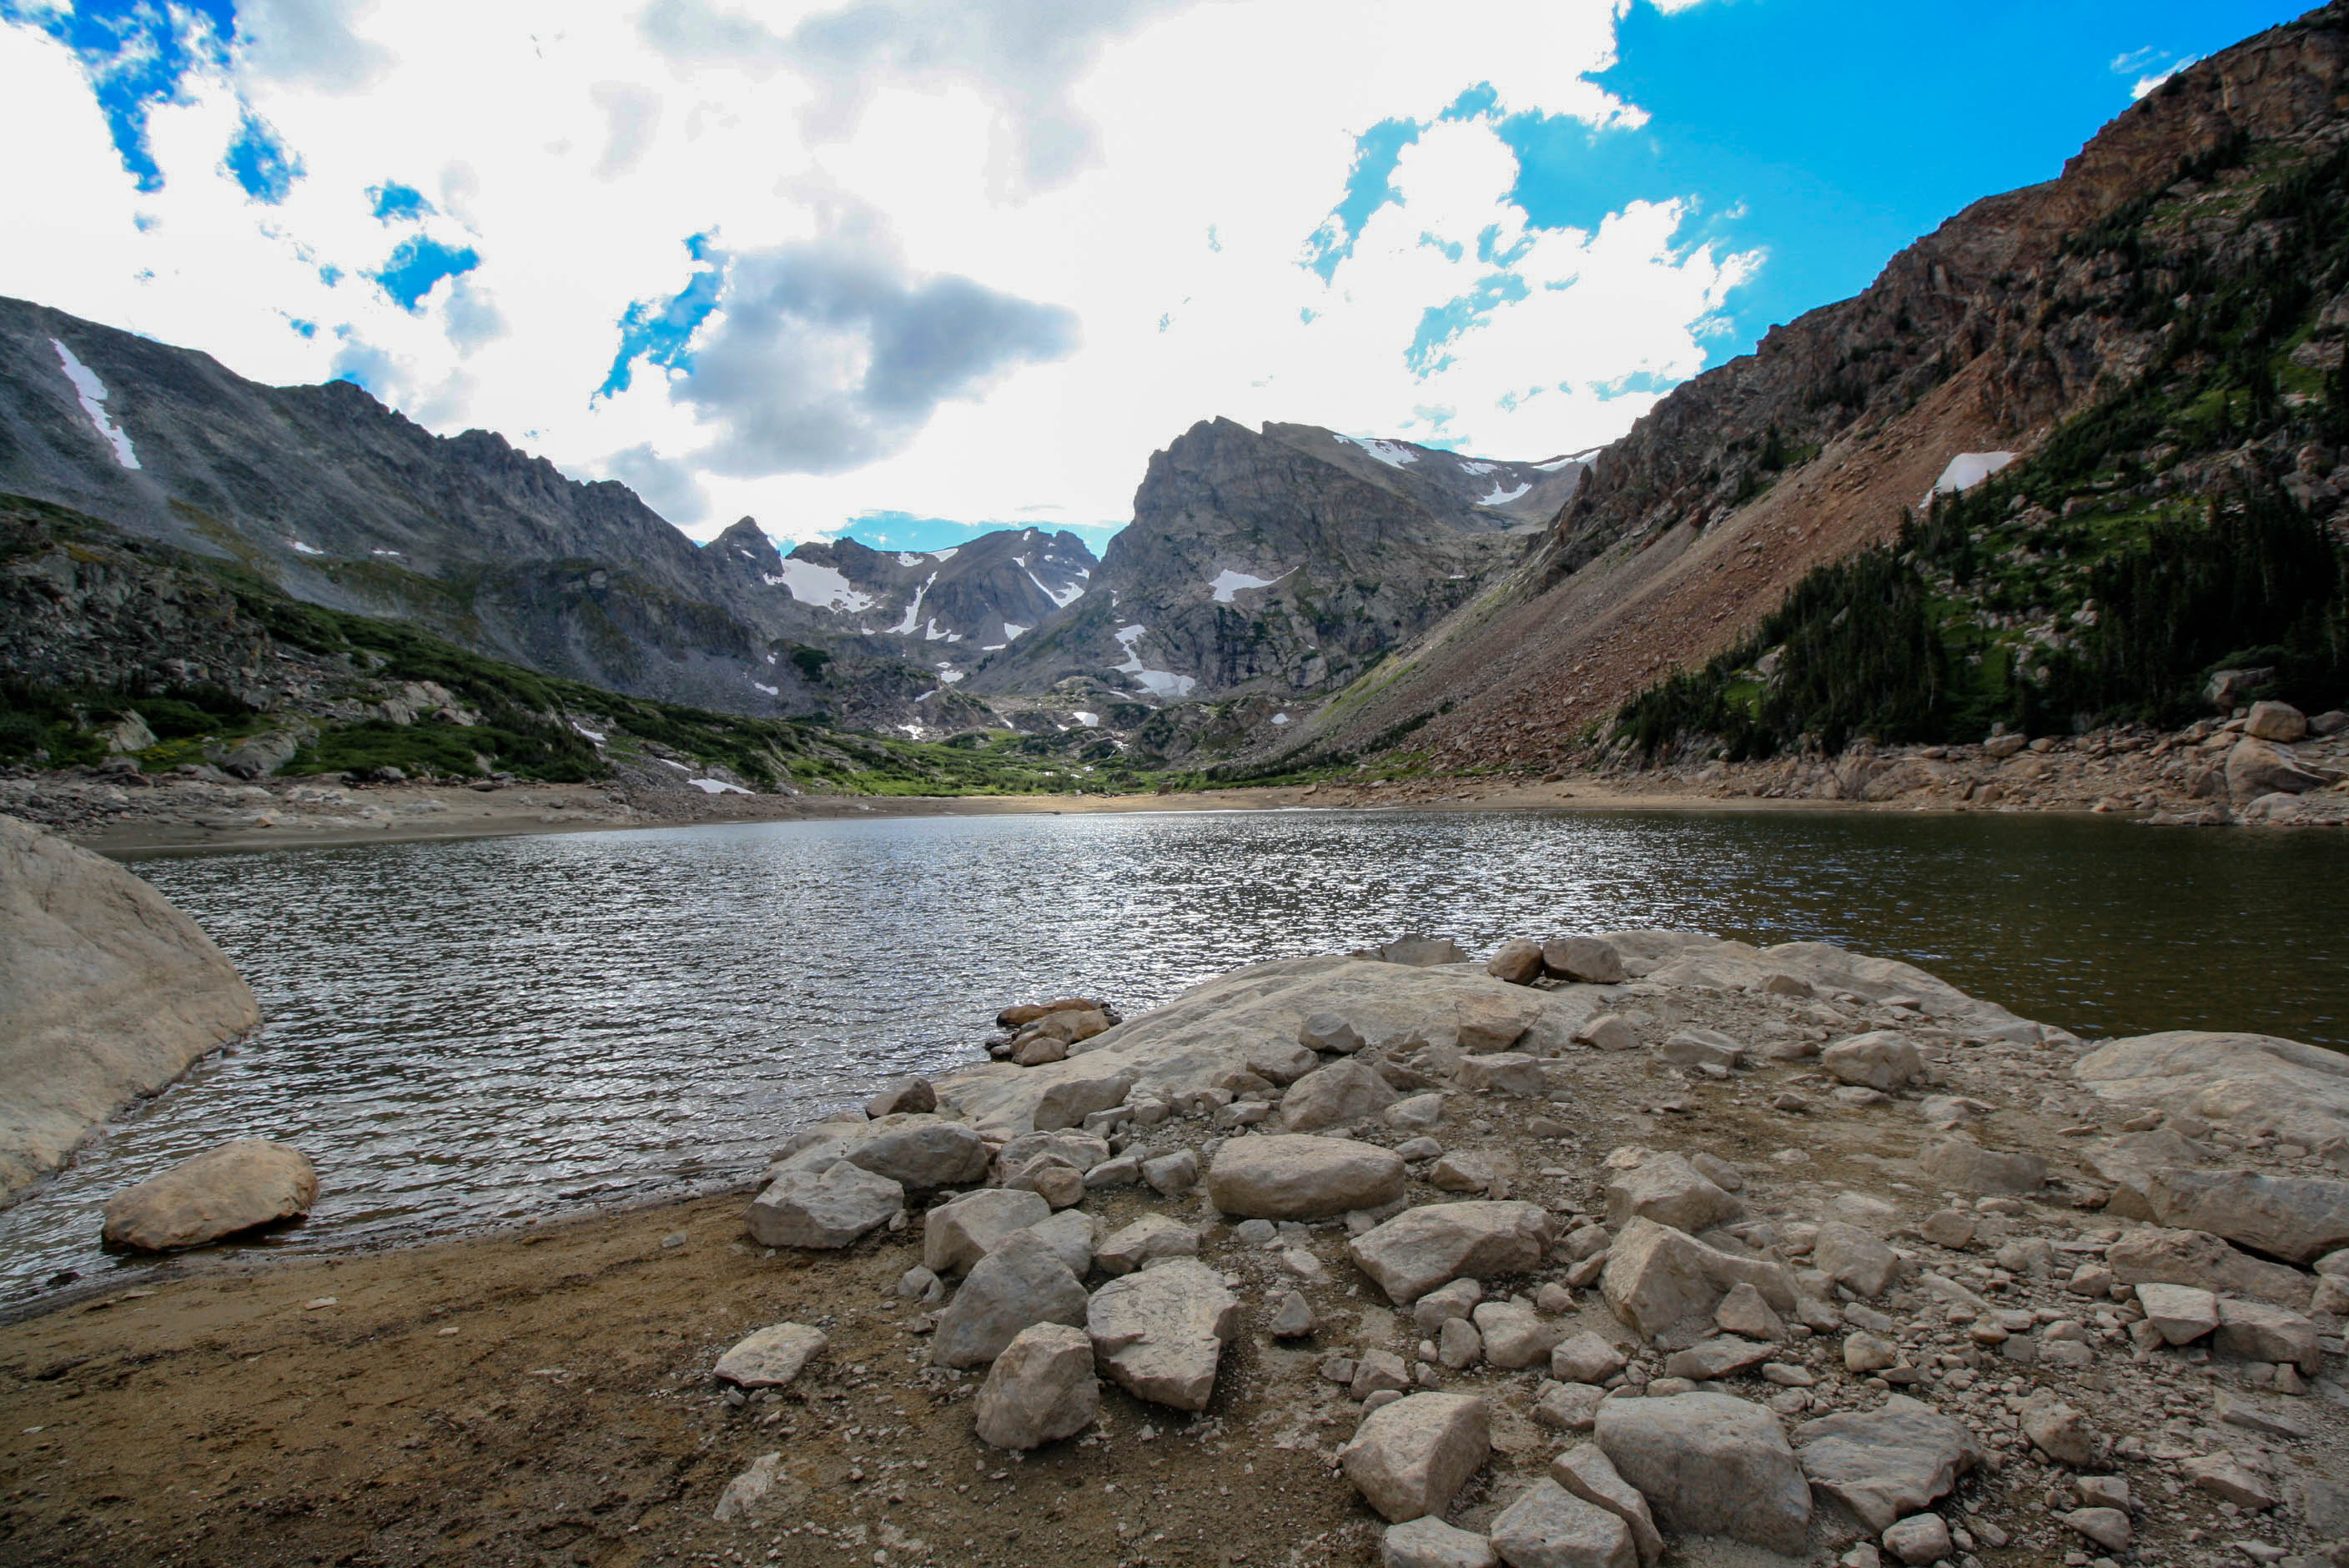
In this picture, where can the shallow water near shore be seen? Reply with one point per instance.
(462, 1033)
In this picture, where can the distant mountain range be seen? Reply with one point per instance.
(1282, 564)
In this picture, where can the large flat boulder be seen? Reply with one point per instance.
(2299, 1218)
(108, 993)
(238, 1186)
(822, 1209)
(2153, 1254)
(2249, 1083)
(1300, 1177)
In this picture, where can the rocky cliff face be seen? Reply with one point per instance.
(1283, 563)
(1975, 344)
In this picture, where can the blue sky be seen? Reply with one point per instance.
(908, 267)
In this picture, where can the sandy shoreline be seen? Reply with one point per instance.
(424, 813)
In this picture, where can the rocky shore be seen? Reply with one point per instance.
(1596, 1249)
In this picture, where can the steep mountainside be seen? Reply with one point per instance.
(1283, 562)
(336, 499)
(2183, 265)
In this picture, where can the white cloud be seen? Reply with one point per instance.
(2147, 83)
(861, 169)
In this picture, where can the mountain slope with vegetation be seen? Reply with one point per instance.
(2154, 333)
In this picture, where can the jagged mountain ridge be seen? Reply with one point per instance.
(1980, 338)
(1283, 562)
(336, 499)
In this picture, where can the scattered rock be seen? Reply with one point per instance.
(1609, 1032)
(771, 1358)
(1503, 1072)
(1519, 962)
(1338, 1094)
(1585, 1358)
(241, 1184)
(1293, 1319)
(1586, 1471)
(1410, 1457)
(901, 1094)
(823, 1209)
(2259, 1332)
(2294, 1217)
(1710, 1465)
(2107, 1527)
(1667, 1189)
(1513, 1335)
(1715, 1357)
(1742, 1312)
(1040, 1389)
(2058, 1431)
(1964, 1166)
(1421, 1248)
(1550, 1527)
(1077, 1096)
(2225, 1477)
(1884, 1060)
(1951, 1228)
(1302, 1177)
(2152, 1255)
(1586, 960)
(2180, 1313)
(1919, 1539)
(1019, 1282)
(1160, 1332)
(1656, 1277)
(1426, 1542)
(1888, 1462)
(1151, 1236)
(1330, 1032)
(1567, 1407)
(1171, 1175)
(756, 1494)
(1860, 1262)
(956, 1235)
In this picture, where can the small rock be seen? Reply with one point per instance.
(1462, 1173)
(1160, 1333)
(1293, 1319)
(1609, 1032)
(1919, 1539)
(1427, 1542)
(1883, 1060)
(1503, 1072)
(919, 1283)
(823, 1209)
(1299, 1177)
(2224, 1476)
(1421, 1248)
(901, 1094)
(2180, 1313)
(1586, 1471)
(1338, 1094)
(1951, 1228)
(956, 1235)
(2058, 1431)
(1040, 1389)
(1744, 1312)
(1458, 1299)
(1716, 1357)
(1418, 1112)
(1513, 1335)
(1411, 1456)
(1171, 1175)
(1458, 1344)
(749, 1497)
(2107, 1527)
(1329, 1031)
(1854, 1259)
(1379, 1371)
(1585, 960)
(1550, 1527)
(1866, 1353)
(1965, 1166)
(1568, 1407)
(1519, 962)
(1887, 1463)
(1021, 1283)
(1710, 1465)
(1668, 1189)
(771, 1358)
(2256, 1330)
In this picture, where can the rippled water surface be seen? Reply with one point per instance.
(464, 1033)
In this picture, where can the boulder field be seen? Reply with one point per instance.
(106, 992)
(1789, 1246)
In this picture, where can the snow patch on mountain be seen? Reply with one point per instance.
(812, 582)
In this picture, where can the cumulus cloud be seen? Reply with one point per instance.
(1022, 57)
(311, 42)
(957, 260)
(664, 484)
(828, 354)
(634, 114)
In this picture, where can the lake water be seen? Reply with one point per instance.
(461, 1034)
